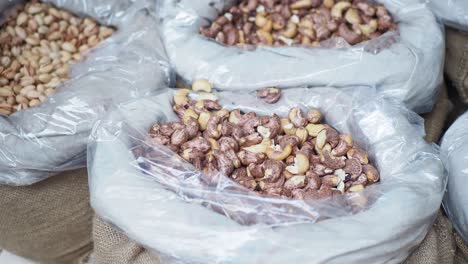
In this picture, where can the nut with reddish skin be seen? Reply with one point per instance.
(154, 130)
(371, 173)
(333, 137)
(192, 127)
(269, 95)
(212, 129)
(288, 141)
(228, 143)
(167, 129)
(353, 167)
(332, 162)
(359, 154)
(231, 154)
(314, 116)
(206, 105)
(350, 36)
(313, 181)
(159, 140)
(279, 22)
(344, 145)
(247, 157)
(198, 143)
(273, 170)
(225, 164)
(250, 125)
(179, 137)
(250, 140)
(229, 129)
(279, 154)
(297, 118)
(241, 177)
(295, 182)
(274, 125)
(255, 170)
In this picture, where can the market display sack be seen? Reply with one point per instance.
(165, 208)
(406, 65)
(50, 221)
(456, 68)
(453, 12)
(39, 142)
(454, 147)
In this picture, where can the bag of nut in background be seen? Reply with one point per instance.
(395, 46)
(62, 63)
(267, 177)
(454, 147)
(452, 12)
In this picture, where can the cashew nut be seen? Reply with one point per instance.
(202, 85)
(259, 148)
(291, 30)
(274, 154)
(300, 166)
(180, 97)
(338, 9)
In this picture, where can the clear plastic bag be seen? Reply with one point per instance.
(406, 66)
(41, 141)
(455, 150)
(454, 13)
(162, 203)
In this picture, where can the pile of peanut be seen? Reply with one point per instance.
(38, 43)
(299, 22)
(295, 157)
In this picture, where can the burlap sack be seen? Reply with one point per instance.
(113, 247)
(435, 120)
(48, 222)
(461, 256)
(456, 61)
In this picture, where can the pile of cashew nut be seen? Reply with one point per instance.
(299, 22)
(295, 157)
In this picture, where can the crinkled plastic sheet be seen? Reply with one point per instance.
(41, 141)
(455, 151)
(406, 66)
(160, 200)
(453, 12)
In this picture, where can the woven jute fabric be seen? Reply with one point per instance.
(48, 222)
(112, 247)
(461, 256)
(435, 120)
(456, 61)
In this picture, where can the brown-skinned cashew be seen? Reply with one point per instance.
(225, 164)
(359, 154)
(250, 140)
(272, 171)
(348, 35)
(250, 125)
(288, 141)
(371, 173)
(255, 170)
(228, 142)
(159, 140)
(313, 181)
(353, 167)
(212, 129)
(281, 154)
(179, 137)
(279, 22)
(295, 182)
(269, 95)
(229, 129)
(247, 157)
(331, 162)
(314, 116)
(198, 143)
(345, 144)
(297, 118)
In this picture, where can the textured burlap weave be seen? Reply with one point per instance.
(456, 61)
(435, 120)
(113, 247)
(49, 222)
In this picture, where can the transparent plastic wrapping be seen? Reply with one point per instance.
(161, 201)
(455, 150)
(454, 13)
(41, 141)
(406, 65)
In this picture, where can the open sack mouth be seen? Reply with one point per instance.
(255, 166)
(306, 23)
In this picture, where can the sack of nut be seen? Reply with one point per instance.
(242, 177)
(62, 63)
(452, 12)
(455, 148)
(395, 46)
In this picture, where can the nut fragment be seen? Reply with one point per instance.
(269, 95)
(202, 85)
